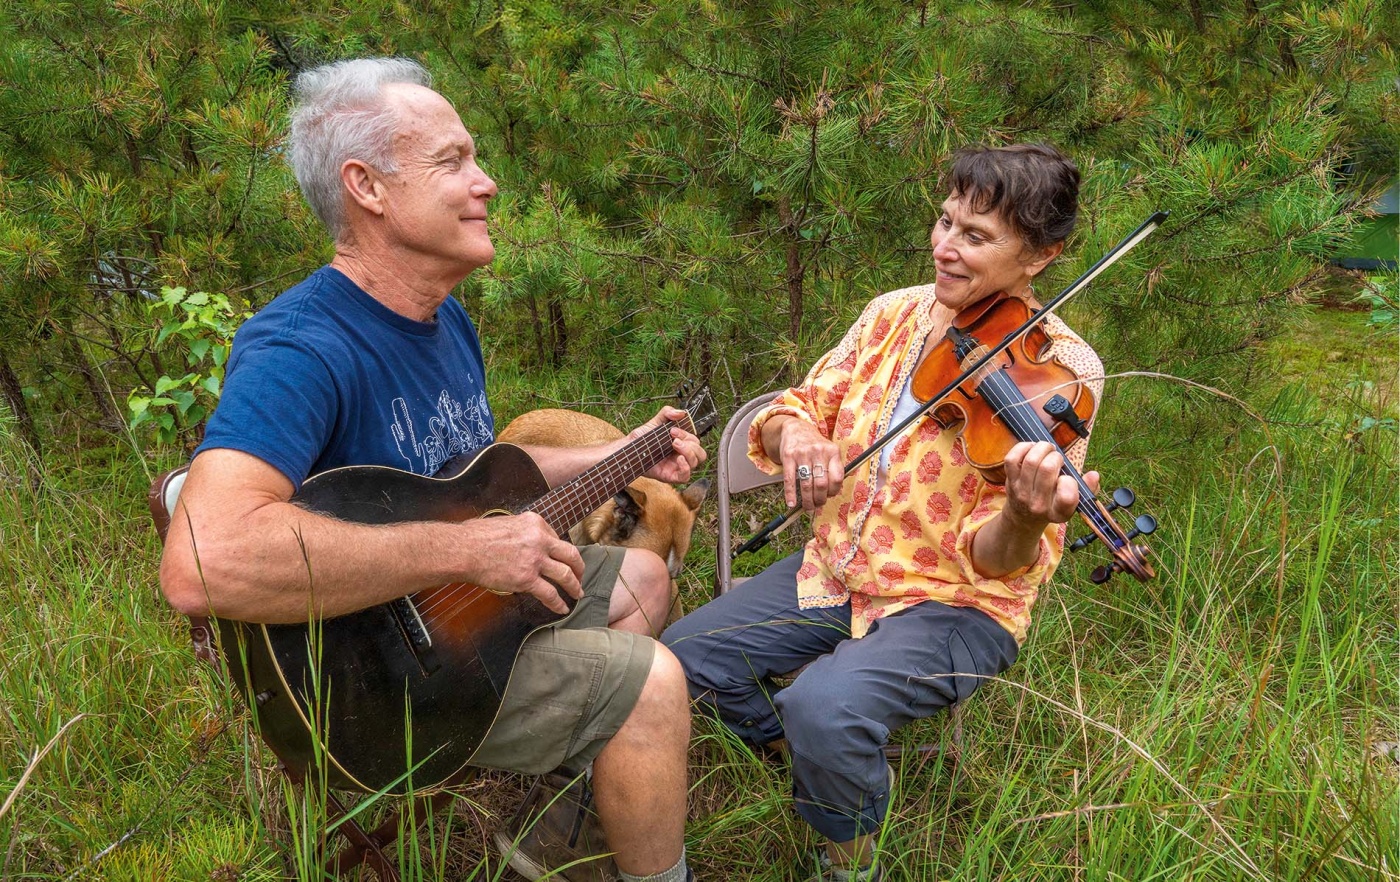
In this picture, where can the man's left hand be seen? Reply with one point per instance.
(676, 468)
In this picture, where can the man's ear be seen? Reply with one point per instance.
(363, 184)
(1043, 257)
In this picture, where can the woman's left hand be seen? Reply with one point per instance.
(1037, 494)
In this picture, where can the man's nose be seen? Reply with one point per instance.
(485, 186)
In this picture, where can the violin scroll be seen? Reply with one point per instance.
(1127, 557)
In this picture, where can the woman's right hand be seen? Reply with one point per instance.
(812, 466)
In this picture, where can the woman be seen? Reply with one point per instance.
(918, 567)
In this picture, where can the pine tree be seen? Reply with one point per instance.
(139, 148)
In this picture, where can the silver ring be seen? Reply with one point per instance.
(819, 470)
(804, 473)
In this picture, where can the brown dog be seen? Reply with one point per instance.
(647, 514)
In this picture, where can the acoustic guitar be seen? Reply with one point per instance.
(399, 696)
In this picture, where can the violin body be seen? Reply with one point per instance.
(1027, 363)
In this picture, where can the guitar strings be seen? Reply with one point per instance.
(571, 500)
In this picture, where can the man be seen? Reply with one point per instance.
(370, 361)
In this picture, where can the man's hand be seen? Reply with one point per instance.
(521, 554)
(676, 468)
(812, 466)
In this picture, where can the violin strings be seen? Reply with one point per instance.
(1010, 404)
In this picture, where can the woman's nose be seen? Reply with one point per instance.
(942, 248)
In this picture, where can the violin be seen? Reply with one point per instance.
(991, 409)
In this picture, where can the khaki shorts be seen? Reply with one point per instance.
(573, 684)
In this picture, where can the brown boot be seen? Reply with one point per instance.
(555, 834)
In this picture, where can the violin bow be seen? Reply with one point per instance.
(1145, 229)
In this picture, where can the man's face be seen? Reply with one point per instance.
(435, 204)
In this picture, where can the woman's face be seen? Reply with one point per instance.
(978, 255)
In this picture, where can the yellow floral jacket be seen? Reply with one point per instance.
(887, 546)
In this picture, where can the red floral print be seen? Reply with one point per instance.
(939, 508)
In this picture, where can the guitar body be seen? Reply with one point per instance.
(411, 684)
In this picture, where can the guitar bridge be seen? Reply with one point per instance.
(416, 633)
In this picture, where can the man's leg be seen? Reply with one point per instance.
(639, 778)
(641, 599)
(574, 690)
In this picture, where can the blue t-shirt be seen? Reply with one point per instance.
(326, 376)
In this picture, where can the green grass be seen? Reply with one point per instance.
(1221, 722)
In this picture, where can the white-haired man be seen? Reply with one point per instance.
(370, 361)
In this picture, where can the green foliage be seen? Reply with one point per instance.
(699, 187)
(1380, 295)
(200, 326)
(716, 189)
(139, 148)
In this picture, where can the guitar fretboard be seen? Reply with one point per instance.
(567, 504)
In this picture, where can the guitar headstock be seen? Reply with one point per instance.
(700, 405)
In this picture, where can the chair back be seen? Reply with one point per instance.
(164, 493)
(735, 475)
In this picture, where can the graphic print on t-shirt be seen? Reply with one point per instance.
(453, 429)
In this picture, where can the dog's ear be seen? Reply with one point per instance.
(627, 511)
(696, 493)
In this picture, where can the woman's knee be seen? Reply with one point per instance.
(824, 714)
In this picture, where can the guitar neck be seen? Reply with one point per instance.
(570, 503)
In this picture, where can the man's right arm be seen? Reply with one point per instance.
(238, 548)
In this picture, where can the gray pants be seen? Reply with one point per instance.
(840, 712)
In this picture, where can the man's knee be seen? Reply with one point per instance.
(646, 576)
(663, 706)
(645, 571)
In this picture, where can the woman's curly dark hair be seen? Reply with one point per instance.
(1033, 186)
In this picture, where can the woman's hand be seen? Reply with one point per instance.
(812, 467)
(1036, 493)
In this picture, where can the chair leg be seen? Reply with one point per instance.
(956, 712)
(368, 848)
(364, 848)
